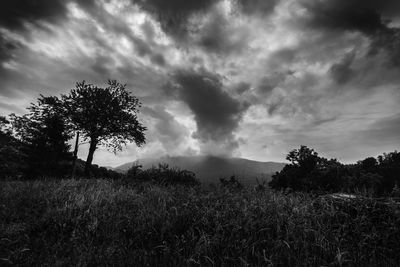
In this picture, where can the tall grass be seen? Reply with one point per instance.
(102, 222)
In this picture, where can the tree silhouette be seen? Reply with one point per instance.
(308, 171)
(304, 157)
(43, 136)
(10, 158)
(105, 116)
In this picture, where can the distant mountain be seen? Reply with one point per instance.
(209, 168)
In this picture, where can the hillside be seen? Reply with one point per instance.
(209, 169)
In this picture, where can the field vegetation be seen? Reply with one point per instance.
(124, 222)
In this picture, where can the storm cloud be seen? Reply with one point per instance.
(217, 114)
(247, 78)
(218, 36)
(342, 72)
(258, 7)
(174, 15)
(370, 17)
(15, 14)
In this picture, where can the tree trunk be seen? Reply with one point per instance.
(75, 155)
(88, 165)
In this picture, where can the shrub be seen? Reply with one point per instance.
(163, 175)
(232, 183)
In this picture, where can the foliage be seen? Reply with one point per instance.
(163, 175)
(98, 222)
(106, 116)
(11, 161)
(97, 171)
(232, 183)
(134, 171)
(11, 158)
(310, 172)
(43, 137)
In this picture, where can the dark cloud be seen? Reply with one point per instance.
(241, 87)
(261, 7)
(282, 56)
(174, 15)
(370, 17)
(215, 34)
(148, 29)
(218, 36)
(217, 114)
(7, 48)
(102, 65)
(342, 72)
(158, 59)
(270, 82)
(15, 13)
(389, 40)
(275, 105)
(357, 15)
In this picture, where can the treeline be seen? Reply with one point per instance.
(37, 157)
(310, 172)
(36, 144)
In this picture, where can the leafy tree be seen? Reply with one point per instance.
(11, 160)
(368, 164)
(304, 158)
(389, 169)
(105, 116)
(43, 136)
(308, 171)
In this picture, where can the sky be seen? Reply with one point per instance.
(252, 79)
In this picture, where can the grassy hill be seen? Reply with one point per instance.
(209, 169)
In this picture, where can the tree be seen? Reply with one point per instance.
(368, 164)
(308, 172)
(105, 116)
(305, 158)
(10, 158)
(43, 136)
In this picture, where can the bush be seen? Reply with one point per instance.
(232, 183)
(163, 175)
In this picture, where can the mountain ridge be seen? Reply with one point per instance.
(210, 168)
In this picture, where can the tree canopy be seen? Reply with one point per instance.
(105, 116)
(308, 171)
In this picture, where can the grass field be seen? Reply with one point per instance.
(101, 222)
